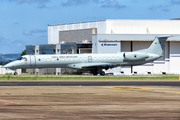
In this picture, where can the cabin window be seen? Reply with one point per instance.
(57, 58)
(39, 59)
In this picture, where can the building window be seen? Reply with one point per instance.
(36, 51)
(57, 50)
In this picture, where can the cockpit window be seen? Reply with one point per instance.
(25, 59)
(22, 58)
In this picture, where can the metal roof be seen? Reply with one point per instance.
(77, 22)
(134, 37)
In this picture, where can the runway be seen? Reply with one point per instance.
(90, 83)
(79, 100)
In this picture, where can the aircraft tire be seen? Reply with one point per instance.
(15, 73)
(102, 73)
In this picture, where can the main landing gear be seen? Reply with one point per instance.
(95, 72)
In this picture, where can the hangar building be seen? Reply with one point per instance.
(112, 36)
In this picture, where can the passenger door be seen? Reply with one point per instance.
(32, 60)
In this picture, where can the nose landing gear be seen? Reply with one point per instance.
(15, 73)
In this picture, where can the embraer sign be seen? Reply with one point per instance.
(105, 44)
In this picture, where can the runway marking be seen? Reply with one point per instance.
(167, 91)
(10, 103)
(140, 88)
(67, 93)
(130, 88)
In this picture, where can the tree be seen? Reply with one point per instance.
(23, 53)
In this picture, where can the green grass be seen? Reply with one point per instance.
(79, 77)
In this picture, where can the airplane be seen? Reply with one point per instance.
(95, 63)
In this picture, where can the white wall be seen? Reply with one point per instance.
(175, 57)
(143, 26)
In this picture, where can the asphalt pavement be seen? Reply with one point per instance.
(89, 83)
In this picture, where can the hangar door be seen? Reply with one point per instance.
(32, 60)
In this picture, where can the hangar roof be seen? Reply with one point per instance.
(133, 37)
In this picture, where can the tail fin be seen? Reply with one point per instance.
(157, 45)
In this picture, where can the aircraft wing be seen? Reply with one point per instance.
(103, 65)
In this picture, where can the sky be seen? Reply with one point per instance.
(25, 22)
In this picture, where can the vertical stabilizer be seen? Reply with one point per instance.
(157, 45)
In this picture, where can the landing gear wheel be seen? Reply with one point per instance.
(15, 73)
(102, 73)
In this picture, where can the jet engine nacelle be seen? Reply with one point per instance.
(133, 56)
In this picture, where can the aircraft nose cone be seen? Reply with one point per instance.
(7, 66)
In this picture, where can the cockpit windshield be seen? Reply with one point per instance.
(22, 58)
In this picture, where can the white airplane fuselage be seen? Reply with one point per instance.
(78, 61)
